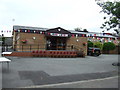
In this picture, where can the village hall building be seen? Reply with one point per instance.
(27, 38)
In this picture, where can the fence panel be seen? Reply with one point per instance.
(19, 47)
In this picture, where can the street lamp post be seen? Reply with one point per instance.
(3, 42)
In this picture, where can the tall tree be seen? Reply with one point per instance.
(112, 9)
(85, 30)
(78, 29)
(81, 30)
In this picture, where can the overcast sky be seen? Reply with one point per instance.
(68, 14)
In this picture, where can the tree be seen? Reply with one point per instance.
(112, 9)
(81, 30)
(108, 46)
(90, 44)
(78, 29)
(85, 30)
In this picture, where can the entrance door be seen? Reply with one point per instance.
(56, 43)
(61, 44)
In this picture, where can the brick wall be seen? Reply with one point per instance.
(62, 54)
(20, 54)
(78, 43)
(37, 41)
(115, 51)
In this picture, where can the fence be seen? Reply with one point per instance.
(38, 47)
(115, 51)
(5, 48)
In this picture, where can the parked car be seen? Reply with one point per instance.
(93, 51)
(116, 64)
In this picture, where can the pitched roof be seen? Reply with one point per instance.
(72, 31)
(16, 27)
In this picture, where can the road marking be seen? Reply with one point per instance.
(67, 83)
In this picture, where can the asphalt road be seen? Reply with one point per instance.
(25, 72)
(110, 82)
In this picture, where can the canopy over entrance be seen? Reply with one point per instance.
(56, 38)
(58, 32)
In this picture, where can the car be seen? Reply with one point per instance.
(116, 64)
(92, 51)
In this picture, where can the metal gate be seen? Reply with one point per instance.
(6, 48)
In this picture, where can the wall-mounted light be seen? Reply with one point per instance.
(34, 38)
(77, 40)
(59, 29)
(25, 30)
(76, 36)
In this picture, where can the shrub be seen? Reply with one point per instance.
(90, 44)
(98, 45)
(108, 46)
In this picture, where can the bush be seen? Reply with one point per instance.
(108, 46)
(90, 44)
(98, 45)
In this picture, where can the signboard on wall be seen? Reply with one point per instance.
(58, 35)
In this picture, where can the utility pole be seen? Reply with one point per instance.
(3, 41)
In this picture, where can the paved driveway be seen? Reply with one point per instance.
(39, 71)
